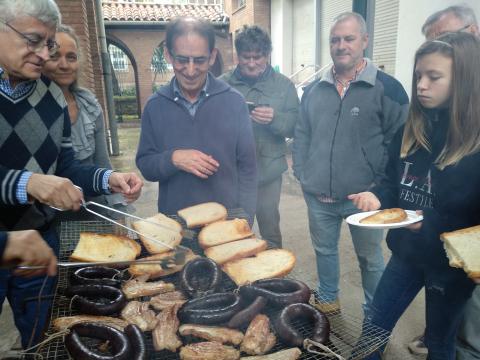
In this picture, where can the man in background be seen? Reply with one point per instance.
(273, 104)
(196, 139)
(347, 120)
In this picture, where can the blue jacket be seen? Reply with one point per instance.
(221, 128)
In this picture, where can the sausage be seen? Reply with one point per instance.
(246, 315)
(199, 277)
(83, 293)
(295, 312)
(95, 275)
(278, 292)
(137, 342)
(211, 309)
(77, 349)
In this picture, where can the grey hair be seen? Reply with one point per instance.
(45, 11)
(349, 15)
(461, 12)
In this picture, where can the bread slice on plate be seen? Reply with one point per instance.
(463, 249)
(169, 233)
(235, 250)
(202, 214)
(264, 265)
(221, 232)
(387, 216)
(94, 247)
(155, 270)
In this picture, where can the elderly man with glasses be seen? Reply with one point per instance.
(196, 139)
(37, 166)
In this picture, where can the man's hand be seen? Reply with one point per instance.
(476, 280)
(418, 225)
(55, 191)
(128, 184)
(262, 114)
(28, 248)
(365, 201)
(195, 162)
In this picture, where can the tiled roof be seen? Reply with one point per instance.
(129, 11)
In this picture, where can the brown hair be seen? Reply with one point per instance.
(66, 29)
(463, 136)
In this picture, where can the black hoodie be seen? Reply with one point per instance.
(449, 198)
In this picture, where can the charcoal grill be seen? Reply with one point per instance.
(346, 337)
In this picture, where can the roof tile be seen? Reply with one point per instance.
(128, 11)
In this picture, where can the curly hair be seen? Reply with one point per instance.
(253, 38)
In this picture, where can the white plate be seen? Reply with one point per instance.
(412, 217)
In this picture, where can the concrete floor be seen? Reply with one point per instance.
(294, 225)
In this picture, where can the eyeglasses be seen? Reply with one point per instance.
(35, 43)
(184, 60)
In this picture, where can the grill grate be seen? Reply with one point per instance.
(345, 330)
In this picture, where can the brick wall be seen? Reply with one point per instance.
(254, 12)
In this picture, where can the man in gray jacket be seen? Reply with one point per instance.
(347, 119)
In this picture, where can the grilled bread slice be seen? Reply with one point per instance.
(94, 247)
(169, 233)
(387, 216)
(202, 214)
(221, 232)
(463, 249)
(235, 250)
(264, 265)
(155, 270)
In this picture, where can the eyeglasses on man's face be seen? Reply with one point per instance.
(36, 43)
(185, 60)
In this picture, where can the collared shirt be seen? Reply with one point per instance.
(16, 92)
(341, 86)
(180, 98)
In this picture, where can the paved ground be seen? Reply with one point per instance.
(296, 237)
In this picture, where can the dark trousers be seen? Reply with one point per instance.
(446, 293)
(268, 216)
(28, 313)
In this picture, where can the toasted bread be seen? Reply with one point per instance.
(105, 247)
(155, 270)
(235, 250)
(169, 233)
(203, 214)
(221, 232)
(264, 265)
(463, 249)
(387, 216)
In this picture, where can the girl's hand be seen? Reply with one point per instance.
(418, 225)
(365, 201)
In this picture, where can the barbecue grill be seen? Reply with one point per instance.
(349, 337)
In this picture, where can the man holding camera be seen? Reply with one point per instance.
(273, 104)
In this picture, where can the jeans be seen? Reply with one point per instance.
(446, 293)
(468, 337)
(28, 313)
(325, 220)
(268, 216)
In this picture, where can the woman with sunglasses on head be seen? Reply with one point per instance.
(86, 116)
(433, 167)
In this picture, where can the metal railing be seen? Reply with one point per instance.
(315, 66)
(311, 77)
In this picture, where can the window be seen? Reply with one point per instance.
(118, 58)
(241, 3)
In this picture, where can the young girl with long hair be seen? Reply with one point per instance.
(434, 167)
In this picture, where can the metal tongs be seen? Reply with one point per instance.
(179, 252)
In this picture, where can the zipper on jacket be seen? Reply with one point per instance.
(333, 143)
